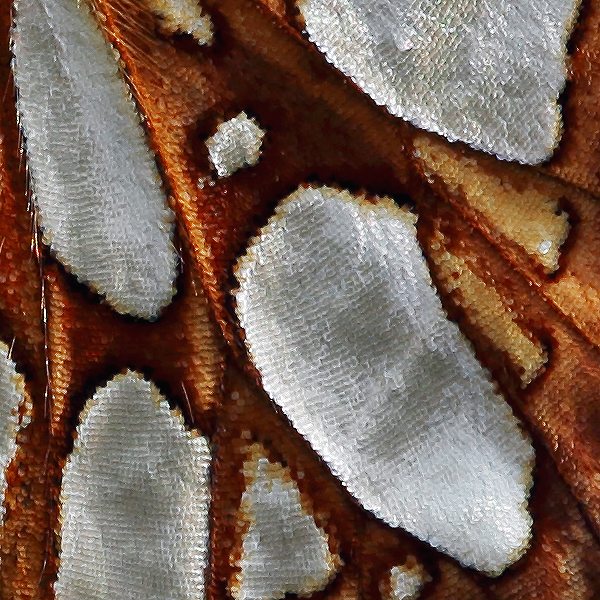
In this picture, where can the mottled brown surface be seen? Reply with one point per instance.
(26, 540)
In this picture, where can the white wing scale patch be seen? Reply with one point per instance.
(283, 551)
(97, 188)
(183, 16)
(352, 343)
(406, 582)
(486, 73)
(235, 144)
(135, 500)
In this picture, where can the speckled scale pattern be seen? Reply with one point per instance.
(344, 326)
(134, 506)
(486, 73)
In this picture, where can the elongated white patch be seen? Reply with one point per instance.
(97, 188)
(236, 144)
(283, 550)
(487, 73)
(183, 16)
(12, 397)
(135, 500)
(351, 341)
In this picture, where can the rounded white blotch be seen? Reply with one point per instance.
(99, 195)
(13, 399)
(135, 500)
(488, 74)
(352, 343)
(283, 550)
(406, 582)
(236, 144)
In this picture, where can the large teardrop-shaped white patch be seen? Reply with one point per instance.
(135, 500)
(97, 188)
(350, 338)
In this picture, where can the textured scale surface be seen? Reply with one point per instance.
(183, 16)
(101, 204)
(12, 415)
(283, 550)
(486, 73)
(343, 325)
(406, 583)
(145, 457)
(235, 144)
(134, 508)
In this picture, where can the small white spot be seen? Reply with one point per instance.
(183, 16)
(545, 247)
(235, 145)
(407, 582)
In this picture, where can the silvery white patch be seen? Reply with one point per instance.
(351, 341)
(97, 188)
(135, 500)
(11, 398)
(283, 550)
(486, 73)
(235, 144)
